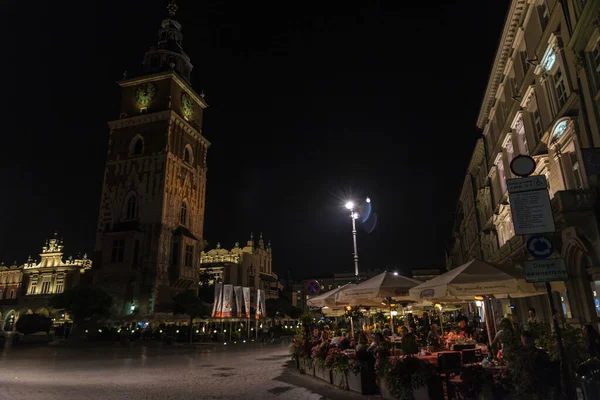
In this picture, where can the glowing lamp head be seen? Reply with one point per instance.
(349, 205)
(395, 273)
(394, 313)
(368, 200)
(355, 215)
(348, 308)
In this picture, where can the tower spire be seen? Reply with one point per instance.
(172, 7)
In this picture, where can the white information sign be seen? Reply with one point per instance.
(530, 205)
(553, 269)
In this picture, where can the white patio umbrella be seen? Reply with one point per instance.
(327, 299)
(476, 278)
(376, 289)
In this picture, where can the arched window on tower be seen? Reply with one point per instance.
(183, 217)
(136, 147)
(187, 154)
(131, 210)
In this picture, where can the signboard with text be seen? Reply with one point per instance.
(553, 269)
(530, 205)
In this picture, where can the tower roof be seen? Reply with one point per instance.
(168, 53)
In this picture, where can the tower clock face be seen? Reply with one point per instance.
(187, 105)
(145, 93)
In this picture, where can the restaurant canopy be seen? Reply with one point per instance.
(477, 278)
(327, 299)
(378, 288)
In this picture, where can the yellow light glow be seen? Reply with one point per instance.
(478, 297)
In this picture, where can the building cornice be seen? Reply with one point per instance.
(140, 119)
(188, 128)
(477, 157)
(162, 75)
(505, 47)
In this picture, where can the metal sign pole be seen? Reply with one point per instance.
(532, 214)
(559, 343)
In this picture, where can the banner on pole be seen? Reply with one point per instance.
(246, 292)
(263, 308)
(216, 312)
(227, 298)
(238, 300)
(258, 303)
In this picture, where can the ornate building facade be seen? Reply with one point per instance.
(250, 266)
(541, 100)
(28, 288)
(150, 228)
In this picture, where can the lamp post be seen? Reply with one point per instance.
(353, 217)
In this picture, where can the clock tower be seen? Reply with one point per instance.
(149, 234)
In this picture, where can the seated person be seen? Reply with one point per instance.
(345, 342)
(337, 339)
(409, 342)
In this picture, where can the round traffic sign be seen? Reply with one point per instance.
(313, 287)
(540, 246)
(522, 165)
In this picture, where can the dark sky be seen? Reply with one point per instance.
(310, 102)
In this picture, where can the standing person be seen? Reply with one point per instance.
(532, 319)
(592, 340)
(433, 338)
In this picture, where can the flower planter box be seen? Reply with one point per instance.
(323, 373)
(362, 382)
(419, 394)
(307, 367)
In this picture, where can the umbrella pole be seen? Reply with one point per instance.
(487, 321)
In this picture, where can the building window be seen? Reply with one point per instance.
(187, 154)
(544, 15)
(564, 299)
(189, 256)
(523, 57)
(183, 217)
(45, 286)
(136, 147)
(537, 124)
(60, 285)
(559, 85)
(501, 174)
(118, 251)
(577, 177)
(12, 294)
(520, 129)
(508, 146)
(1, 293)
(131, 213)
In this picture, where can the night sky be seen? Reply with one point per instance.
(311, 102)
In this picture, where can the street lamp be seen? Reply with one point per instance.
(353, 217)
